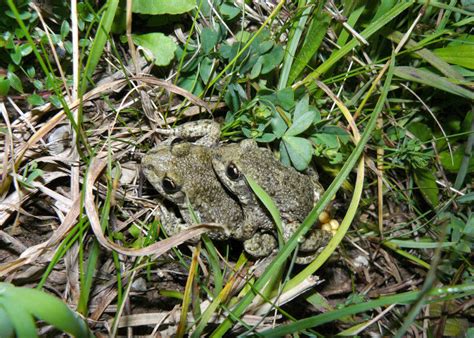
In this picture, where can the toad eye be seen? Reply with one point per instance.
(233, 172)
(169, 186)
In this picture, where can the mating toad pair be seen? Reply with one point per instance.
(208, 179)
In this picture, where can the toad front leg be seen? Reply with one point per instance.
(260, 245)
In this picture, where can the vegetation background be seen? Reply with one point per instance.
(377, 96)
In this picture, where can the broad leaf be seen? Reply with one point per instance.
(272, 60)
(300, 151)
(205, 69)
(209, 39)
(286, 98)
(420, 130)
(4, 86)
(426, 181)
(462, 55)
(301, 107)
(154, 7)
(302, 123)
(159, 46)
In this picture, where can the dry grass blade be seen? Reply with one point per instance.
(10, 204)
(30, 255)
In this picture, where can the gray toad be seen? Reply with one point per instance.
(199, 177)
(182, 173)
(293, 193)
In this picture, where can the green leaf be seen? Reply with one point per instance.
(426, 181)
(209, 39)
(454, 165)
(257, 68)
(273, 59)
(457, 291)
(229, 12)
(25, 50)
(43, 306)
(30, 71)
(205, 69)
(267, 202)
(6, 327)
(371, 29)
(286, 98)
(301, 123)
(301, 107)
(432, 80)
(65, 29)
(191, 83)
(468, 198)
(284, 156)
(22, 321)
(278, 125)
(462, 55)
(328, 140)
(422, 244)
(469, 228)
(266, 138)
(16, 57)
(160, 46)
(15, 82)
(430, 57)
(98, 43)
(35, 100)
(420, 130)
(4, 86)
(300, 151)
(154, 7)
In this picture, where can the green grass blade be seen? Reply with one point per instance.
(420, 244)
(65, 245)
(430, 57)
(316, 32)
(373, 28)
(6, 326)
(464, 168)
(43, 306)
(22, 321)
(217, 301)
(432, 80)
(458, 291)
(405, 254)
(351, 21)
(98, 44)
(290, 51)
(269, 204)
(213, 259)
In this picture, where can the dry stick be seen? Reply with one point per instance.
(380, 156)
(131, 45)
